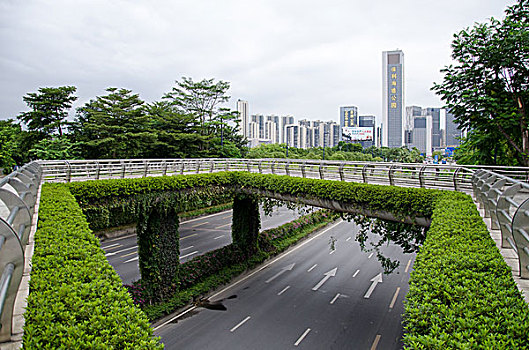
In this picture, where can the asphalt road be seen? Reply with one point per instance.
(197, 236)
(311, 297)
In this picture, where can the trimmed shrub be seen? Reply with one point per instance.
(76, 299)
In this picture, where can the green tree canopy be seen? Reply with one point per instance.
(49, 109)
(487, 88)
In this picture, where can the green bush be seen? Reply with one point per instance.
(462, 294)
(76, 299)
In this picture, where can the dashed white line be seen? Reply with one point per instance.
(284, 290)
(129, 254)
(112, 245)
(334, 299)
(300, 339)
(224, 225)
(370, 255)
(348, 239)
(202, 223)
(194, 234)
(332, 251)
(185, 256)
(121, 251)
(375, 342)
(408, 266)
(130, 260)
(356, 273)
(120, 238)
(394, 298)
(186, 248)
(219, 237)
(240, 324)
(312, 268)
(205, 217)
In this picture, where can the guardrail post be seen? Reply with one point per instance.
(520, 230)
(68, 172)
(259, 166)
(123, 169)
(98, 170)
(321, 171)
(364, 173)
(272, 167)
(164, 171)
(454, 179)
(421, 179)
(302, 166)
(342, 177)
(287, 170)
(390, 175)
(145, 168)
(198, 166)
(211, 166)
(503, 213)
(248, 166)
(492, 198)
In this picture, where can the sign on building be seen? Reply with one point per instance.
(352, 134)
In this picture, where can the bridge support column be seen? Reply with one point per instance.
(158, 248)
(246, 222)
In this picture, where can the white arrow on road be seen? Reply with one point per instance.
(328, 275)
(376, 280)
(283, 270)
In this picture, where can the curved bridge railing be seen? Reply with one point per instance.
(18, 197)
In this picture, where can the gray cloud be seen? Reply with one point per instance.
(304, 58)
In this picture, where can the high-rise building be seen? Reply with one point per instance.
(367, 121)
(348, 116)
(411, 113)
(393, 98)
(436, 125)
(242, 108)
(452, 131)
(422, 134)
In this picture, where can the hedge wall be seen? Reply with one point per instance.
(76, 299)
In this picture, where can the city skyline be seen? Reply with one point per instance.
(299, 58)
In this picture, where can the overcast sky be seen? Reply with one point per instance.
(305, 58)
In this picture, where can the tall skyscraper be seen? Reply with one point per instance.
(422, 134)
(393, 98)
(367, 121)
(452, 131)
(348, 116)
(242, 108)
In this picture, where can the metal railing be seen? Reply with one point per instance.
(18, 193)
(506, 201)
(397, 174)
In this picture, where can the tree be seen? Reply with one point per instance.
(54, 149)
(50, 108)
(113, 126)
(487, 87)
(9, 132)
(200, 99)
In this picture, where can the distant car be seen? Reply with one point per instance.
(443, 161)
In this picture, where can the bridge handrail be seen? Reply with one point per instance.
(18, 193)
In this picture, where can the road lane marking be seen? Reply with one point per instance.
(240, 324)
(394, 298)
(375, 281)
(186, 248)
(312, 268)
(348, 239)
(328, 275)
(356, 273)
(334, 299)
(185, 256)
(205, 217)
(112, 246)
(375, 342)
(202, 223)
(224, 225)
(332, 251)
(174, 318)
(130, 260)
(194, 234)
(219, 237)
(283, 270)
(120, 238)
(408, 266)
(276, 259)
(370, 255)
(300, 339)
(284, 290)
(129, 254)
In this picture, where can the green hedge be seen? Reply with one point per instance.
(76, 299)
(462, 294)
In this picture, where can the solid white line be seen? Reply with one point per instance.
(110, 246)
(219, 237)
(284, 290)
(276, 259)
(408, 266)
(375, 343)
(176, 317)
(370, 255)
(133, 259)
(394, 298)
(240, 324)
(356, 273)
(205, 217)
(185, 256)
(312, 268)
(186, 248)
(332, 251)
(334, 299)
(348, 239)
(300, 339)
